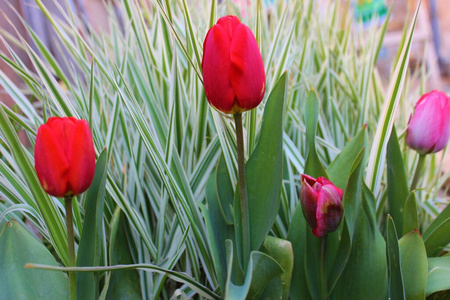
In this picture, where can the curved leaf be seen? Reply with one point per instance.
(397, 185)
(414, 265)
(18, 247)
(89, 251)
(396, 290)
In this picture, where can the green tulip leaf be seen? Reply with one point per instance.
(264, 172)
(297, 237)
(365, 273)
(410, 218)
(438, 274)
(339, 255)
(436, 236)
(18, 247)
(340, 168)
(281, 251)
(397, 184)
(413, 257)
(396, 289)
(89, 251)
(261, 270)
(123, 284)
(218, 231)
(313, 165)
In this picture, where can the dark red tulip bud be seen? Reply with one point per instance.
(321, 204)
(64, 156)
(233, 70)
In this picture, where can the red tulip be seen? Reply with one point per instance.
(64, 156)
(321, 204)
(429, 127)
(233, 70)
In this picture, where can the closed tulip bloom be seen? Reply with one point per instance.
(429, 126)
(321, 203)
(233, 70)
(64, 156)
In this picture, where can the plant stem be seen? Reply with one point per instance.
(419, 167)
(71, 247)
(323, 271)
(242, 190)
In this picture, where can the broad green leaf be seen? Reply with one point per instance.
(340, 168)
(438, 274)
(281, 251)
(396, 289)
(123, 284)
(261, 270)
(297, 237)
(410, 218)
(353, 191)
(413, 258)
(366, 268)
(351, 198)
(313, 165)
(18, 247)
(90, 249)
(436, 236)
(397, 184)
(264, 169)
(218, 231)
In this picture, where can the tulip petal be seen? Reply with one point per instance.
(81, 155)
(247, 70)
(229, 24)
(62, 130)
(216, 69)
(308, 201)
(50, 162)
(329, 211)
(444, 126)
(428, 129)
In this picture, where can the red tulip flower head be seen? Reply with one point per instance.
(233, 70)
(429, 126)
(321, 203)
(64, 156)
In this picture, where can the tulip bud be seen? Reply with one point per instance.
(64, 156)
(233, 70)
(429, 126)
(321, 204)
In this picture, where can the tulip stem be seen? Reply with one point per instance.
(419, 167)
(323, 271)
(242, 190)
(71, 247)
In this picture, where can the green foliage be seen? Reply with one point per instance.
(17, 248)
(414, 265)
(89, 252)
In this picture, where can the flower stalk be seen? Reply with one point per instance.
(242, 189)
(419, 168)
(323, 270)
(70, 246)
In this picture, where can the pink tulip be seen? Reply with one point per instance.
(429, 126)
(321, 203)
